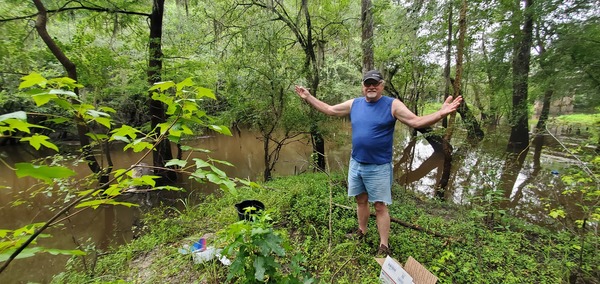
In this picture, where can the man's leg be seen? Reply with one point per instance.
(362, 211)
(383, 222)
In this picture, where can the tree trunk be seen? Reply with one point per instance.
(519, 134)
(462, 27)
(267, 171)
(367, 35)
(447, 66)
(163, 151)
(71, 68)
(541, 124)
(547, 70)
(318, 141)
(492, 118)
(478, 104)
(474, 132)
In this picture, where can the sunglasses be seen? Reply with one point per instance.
(371, 83)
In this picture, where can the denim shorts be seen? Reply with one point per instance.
(375, 180)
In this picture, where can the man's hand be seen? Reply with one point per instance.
(302, 92)
(451, 105)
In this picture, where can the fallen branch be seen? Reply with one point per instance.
(404, 224)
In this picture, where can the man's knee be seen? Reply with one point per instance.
(362, 199)
(380, 207)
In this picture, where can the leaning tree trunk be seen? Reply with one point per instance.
(462, 27)
(519, 135)
(71, 68)
(541, 124)
(474, 131)
(547, 70)
(157, 110)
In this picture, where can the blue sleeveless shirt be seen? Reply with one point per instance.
(372, 130)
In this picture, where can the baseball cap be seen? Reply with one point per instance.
(373, 75)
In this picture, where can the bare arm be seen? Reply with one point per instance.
(404, 115)
(341, 109)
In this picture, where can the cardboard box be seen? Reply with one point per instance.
(392, 272)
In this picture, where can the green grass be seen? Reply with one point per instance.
(305, 214)
(581, 118)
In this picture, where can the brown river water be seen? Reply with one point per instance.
(417, 167)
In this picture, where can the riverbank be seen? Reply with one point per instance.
(459, 244)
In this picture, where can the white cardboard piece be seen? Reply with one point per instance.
(392, 272)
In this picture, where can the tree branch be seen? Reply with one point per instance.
(96, 9)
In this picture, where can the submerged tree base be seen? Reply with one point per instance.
(312, 227)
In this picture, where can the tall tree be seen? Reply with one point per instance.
(457, 90)
(519, 134)
(367, 35)
(163, 151)
(71, 68)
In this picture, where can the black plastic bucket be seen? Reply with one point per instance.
(244, 214)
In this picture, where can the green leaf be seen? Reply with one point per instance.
(95, 113)
(46, 173)
(66, 81)
(214, 178)
(96, 203)
(229, 186)
(204, 92)
(64, 251)
(37, 140)
(32, 80)
(120, 173)
(163, 98)
(124, 131)
(85, 192)
(139, 146)
(107, 109)
(201, 163)
(190, 148)
(98, 136)
(113, 190)
(221, 129)
(249, 183)
(62, 92)
(176, 162)
(170, 188)
(18, 115)
(218, 171)
(222, 162)
(187, 82)
(120, 138)
(20, 125)
(91, 203)
(27, 252)
(43, 98)
(199, 174)
(555, 213)
(149, 180)
(104, 121)
(58, 120)
(259, 266)
(162, 85)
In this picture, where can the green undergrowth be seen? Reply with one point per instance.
(587, 119)
(458, 247)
